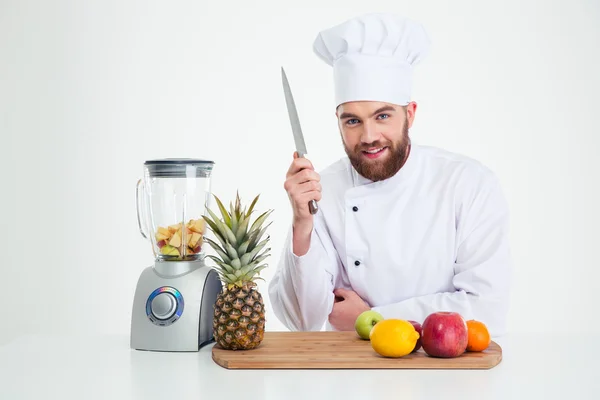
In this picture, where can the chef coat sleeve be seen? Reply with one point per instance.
(301, 290)
(482, 269)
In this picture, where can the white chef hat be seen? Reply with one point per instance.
(372, 57)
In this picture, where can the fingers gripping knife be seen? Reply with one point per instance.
(296, 129)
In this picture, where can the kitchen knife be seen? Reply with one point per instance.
(296, 129)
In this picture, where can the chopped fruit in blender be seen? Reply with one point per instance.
(163, 231)
(198, 225)
(169, 251)
(171, 240)
(193, 240)
(174, 228)
(175, 241)
(160, 237)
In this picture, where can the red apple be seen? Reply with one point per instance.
(444, 334)
(419, 329)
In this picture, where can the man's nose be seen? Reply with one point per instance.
(369, 133)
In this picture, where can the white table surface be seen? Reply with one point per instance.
(104, 367)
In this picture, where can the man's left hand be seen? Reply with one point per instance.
(346, 309)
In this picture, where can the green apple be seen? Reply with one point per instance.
(365, 322)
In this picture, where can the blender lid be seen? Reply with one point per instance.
(179, 168)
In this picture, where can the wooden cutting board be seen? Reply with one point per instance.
(340, 350)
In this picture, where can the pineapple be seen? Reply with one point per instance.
(239, 311)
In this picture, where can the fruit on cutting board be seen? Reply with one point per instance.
(239, 310)
(419, 330)
(478, 336)
(444, 334)
(393, 338)
(365, 322)
(174, 241)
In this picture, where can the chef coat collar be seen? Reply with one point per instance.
(402, 175)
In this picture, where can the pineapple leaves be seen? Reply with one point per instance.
(260, 246)
(231, 251)
(246, 258)
(221, 266)
(238, 205)
(220, 227)
(241, 231)
(223, 210)
(236, 264)
(259, 221)
(211, 223)
(242, 272)
(250, 270)
(234, 220)
(252, 206)
(261, 257)
(257, 237)
(255, 271)
(254, 263)
(230, 236)
(244, 247)
(218, 249)
(221, 275)
(258, 269)
(239, 247)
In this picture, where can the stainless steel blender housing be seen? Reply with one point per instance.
(173, 303)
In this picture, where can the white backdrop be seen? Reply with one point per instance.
(90, 90)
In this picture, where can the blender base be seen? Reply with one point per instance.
(173, 307)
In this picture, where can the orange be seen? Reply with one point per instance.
(479, 336)
(393, 337)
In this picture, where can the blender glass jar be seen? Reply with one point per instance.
(171, 199)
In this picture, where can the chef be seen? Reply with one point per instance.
(402, 229)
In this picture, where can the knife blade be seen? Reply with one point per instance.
(296, 128)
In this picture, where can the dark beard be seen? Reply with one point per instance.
(375, 170)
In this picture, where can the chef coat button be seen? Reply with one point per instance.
(357, 263)
(355, 208)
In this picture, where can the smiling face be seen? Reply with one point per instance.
(375, 136)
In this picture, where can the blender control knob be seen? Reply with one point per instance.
(164, 305)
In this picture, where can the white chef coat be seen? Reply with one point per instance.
(434, 237)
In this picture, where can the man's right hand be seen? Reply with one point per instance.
(302, 185)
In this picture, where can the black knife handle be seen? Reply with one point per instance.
(313, 207)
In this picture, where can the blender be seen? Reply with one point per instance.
(174, 297)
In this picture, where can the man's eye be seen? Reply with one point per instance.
(383, 115)
(352, 121)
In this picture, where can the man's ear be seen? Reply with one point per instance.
(411, 110)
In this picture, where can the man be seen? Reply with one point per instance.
(402, 229)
